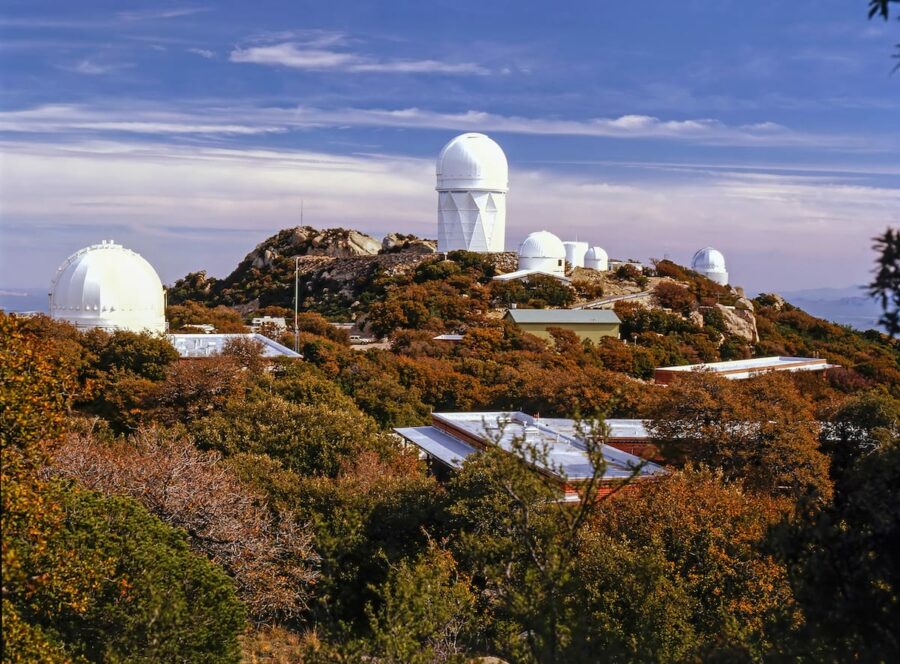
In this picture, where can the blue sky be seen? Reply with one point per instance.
(191, 131)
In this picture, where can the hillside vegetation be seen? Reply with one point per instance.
(233, 509)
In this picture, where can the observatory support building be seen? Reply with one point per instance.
(472, 181)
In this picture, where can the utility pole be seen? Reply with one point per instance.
(297, 290)
(296, 293)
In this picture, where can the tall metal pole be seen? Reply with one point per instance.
(297, 289)
(296, 292)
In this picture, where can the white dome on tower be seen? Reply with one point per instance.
(472, 181)
(596, 258)
(472, 161)
(110, 287)
(711, 264)
(542, 251)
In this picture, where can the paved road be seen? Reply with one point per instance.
(596, 304)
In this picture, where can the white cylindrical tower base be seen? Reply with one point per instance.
(471, 220)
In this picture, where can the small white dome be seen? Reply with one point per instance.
(542, 244)
(108, 286)
(708, 259)
(711, 264)
(596, 258)
(472, 162)
(597, 254)
(543, 252)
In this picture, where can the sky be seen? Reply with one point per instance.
(190, 132)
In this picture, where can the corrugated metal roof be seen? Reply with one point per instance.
(754, 363)
(563, 316)
(559, 446)
(209, 345)
(440, 445)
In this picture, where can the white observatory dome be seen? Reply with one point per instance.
(711, 264)
(575, 252)
(542, 251)
(472, 161)
(110, 287)
(472, 181)
(596, 258)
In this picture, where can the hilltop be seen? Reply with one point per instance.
(670, 314)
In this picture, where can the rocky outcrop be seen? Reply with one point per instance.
(740, 320)
(309, 241)
(397, 243)
(696, 318)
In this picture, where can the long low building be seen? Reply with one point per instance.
(741, 369)
(210, 345)
(593, 324)
(454, 437)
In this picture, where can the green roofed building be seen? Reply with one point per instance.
(590, 324)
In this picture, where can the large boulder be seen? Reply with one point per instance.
(740, 321)
(397, 243)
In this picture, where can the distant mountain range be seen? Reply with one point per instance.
(845, 306)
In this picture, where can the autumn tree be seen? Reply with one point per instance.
(845, 568)
(760, 432)
(859, 426)
(514, 533)
(309, 439)
(147, 595)
(86, 576)
(269, 555)
(426, 611)
(674, 296)
(706, 536)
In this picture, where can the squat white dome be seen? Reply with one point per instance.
(110, 287)
(711, 264)
(542, 251)
(596, 258)
(472, 162)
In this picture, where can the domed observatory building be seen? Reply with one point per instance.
(711, 264)
(543, 252)
(110, 287)
(596, 258)
(575, 252)
(472, 181)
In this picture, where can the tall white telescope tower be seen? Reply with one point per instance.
(472, 181)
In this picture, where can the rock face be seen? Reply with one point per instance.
(397, 243)
(740, 321)
(696, 318)
(308, 241)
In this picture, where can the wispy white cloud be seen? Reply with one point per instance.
(777, 231)
(159, 14)
(63, 118)
(90, 67)
(313, 56)
(226, 119)
(202, 52)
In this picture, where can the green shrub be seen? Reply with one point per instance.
(154, 600)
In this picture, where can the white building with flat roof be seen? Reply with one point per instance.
(560, 447)
(742, 369)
